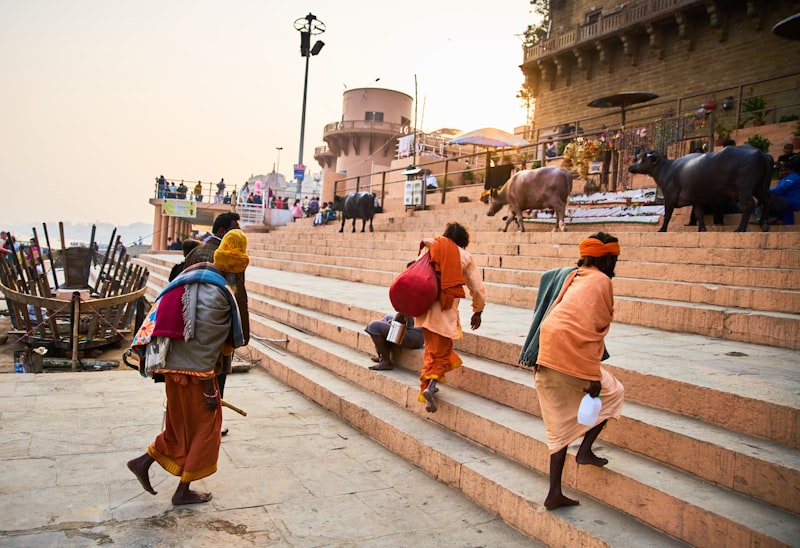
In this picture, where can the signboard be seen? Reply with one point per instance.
(414, 194)
(299, 172)
(179, 208)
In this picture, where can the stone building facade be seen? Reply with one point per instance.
(685, 51)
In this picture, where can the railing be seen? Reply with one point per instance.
(609, 24)
(250, 214)
(350, 125)
(208, 193)
(676, 125)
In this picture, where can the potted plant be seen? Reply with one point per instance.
(756, 106)
(759, 142)
(723, 134)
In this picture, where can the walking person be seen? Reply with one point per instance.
(441, 324)
(205, 254)
(565, 346)
(181, 339)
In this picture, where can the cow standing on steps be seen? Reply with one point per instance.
(356, 205)
(542, 188)
(733, 173)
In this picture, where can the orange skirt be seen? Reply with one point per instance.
(189, 445)
(560, 396)
(439, 358)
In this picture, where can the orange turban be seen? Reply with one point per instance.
(231, 255)
(592, 247)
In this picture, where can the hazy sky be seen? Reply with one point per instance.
(99, 97)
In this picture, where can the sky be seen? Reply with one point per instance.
(100, 97)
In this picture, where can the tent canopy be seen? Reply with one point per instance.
(489, 137)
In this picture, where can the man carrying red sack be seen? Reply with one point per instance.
(441, 324)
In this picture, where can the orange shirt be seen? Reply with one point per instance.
(572, 335)
(447, 323)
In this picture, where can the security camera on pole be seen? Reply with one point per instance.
(307, 26)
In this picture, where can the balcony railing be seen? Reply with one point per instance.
(366, 125)
(609, 24)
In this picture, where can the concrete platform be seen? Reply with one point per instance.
(290, 474)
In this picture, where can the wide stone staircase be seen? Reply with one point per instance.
(705, 341)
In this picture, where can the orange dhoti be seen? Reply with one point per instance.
(439, 358)
(189, 445)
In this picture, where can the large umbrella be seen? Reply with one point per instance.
(489, 137)
(788, 28)
(622, 100)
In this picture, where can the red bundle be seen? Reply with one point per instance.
(416, 288)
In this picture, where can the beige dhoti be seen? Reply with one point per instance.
(560, 396)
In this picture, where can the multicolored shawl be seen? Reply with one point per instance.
(182, 327)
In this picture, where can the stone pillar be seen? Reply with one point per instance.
(157, 244)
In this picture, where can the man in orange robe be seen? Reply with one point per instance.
(441, 324)
(574, 310)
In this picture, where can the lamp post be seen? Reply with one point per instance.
(307, 26)
(278, 163)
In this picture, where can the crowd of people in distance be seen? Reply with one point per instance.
(11, 250)
(309, 207)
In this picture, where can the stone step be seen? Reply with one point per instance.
(775, 268)
(737, 324)
(771, 289)
(738, 476)
(738, 462)
(635, 485)
(744, 387)
(500, 485)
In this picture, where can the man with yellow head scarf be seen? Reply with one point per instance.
(566, 343)
(206, 253)
(231, 259)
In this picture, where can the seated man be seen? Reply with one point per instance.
(313, 207)
(786, 195)
(379, 330)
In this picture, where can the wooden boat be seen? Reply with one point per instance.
(91, 308)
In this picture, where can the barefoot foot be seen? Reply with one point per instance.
(556, 501)
(592, 459)
(428, 394)
(383, 365)
(190, 497)
(140, 467)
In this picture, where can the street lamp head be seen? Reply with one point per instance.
(307, 26)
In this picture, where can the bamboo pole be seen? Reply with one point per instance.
(50, 255)
(76, 320)
(105, 259)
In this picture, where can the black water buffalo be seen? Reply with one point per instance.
(732, 173)
(356, 205)
(542, 188)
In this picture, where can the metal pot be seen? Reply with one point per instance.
(397, 331)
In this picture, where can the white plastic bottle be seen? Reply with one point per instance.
(589, 410)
